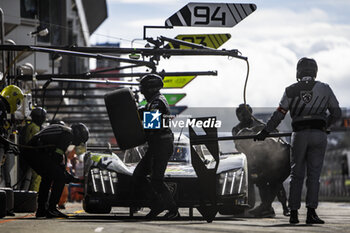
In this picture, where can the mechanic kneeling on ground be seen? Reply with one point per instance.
(307, 102)
(160, 148)
(269, 185)
(47, 157)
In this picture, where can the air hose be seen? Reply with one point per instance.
(245, 92)
(5, 140)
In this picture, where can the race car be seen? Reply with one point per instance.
(108, 180)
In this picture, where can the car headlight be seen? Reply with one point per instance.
(103, 180)
(232, 182)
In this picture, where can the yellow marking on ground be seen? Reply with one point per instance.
(79, 211)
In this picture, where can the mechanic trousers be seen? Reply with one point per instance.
(154, 164)
(52, 176)
(308, 150)
(282, 196)
(269, 191)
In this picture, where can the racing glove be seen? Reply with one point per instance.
(72, 179)
(261, 135)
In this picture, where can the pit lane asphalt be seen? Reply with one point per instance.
(336, 215)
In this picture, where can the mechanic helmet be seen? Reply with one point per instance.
(306, 67)
(80, 133)
(151, 83)
(38, 115)
(14, 97)
(244, 112)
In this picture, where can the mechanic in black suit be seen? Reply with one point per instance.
(160, 148)
(47, 157)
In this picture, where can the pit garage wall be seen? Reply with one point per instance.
(335, 183)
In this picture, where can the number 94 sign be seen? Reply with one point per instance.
(210, 14)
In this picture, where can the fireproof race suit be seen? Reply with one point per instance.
(308, 102)
(154, 163)
(49, 162)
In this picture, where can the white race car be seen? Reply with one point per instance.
(108, 180)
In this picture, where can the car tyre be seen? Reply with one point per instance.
(96, 205)
(25, 201)
(2, 203)
(9, 200)
(124, 118)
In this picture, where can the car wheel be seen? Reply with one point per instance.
(25, 201)
(2, 203)
(9, 200)
(124, 118)
(96, 205)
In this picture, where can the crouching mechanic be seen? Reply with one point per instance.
(307, 101)
(47, 158)
(160, 148)
(269, 181)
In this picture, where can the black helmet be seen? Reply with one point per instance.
(244, 107)
(306, 67)
(151, 83)
(38, 115)
(80, 133)
(244, 112)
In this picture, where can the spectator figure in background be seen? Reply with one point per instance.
(307, 101)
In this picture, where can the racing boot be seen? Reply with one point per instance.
(154, 213)
(286, 211)
(158, 206)
(41, 211)
(55, 213)
(173, 213)
(263, 211)
(293, 219)
(312, 218)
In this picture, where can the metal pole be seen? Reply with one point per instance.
(2, 36)
(35, 41)
(236, 137)
(118, 75)
(53, 65)
(11, 58)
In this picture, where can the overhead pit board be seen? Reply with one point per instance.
(171, 98)
(209, 40)
(196, 14)
(177, 81)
